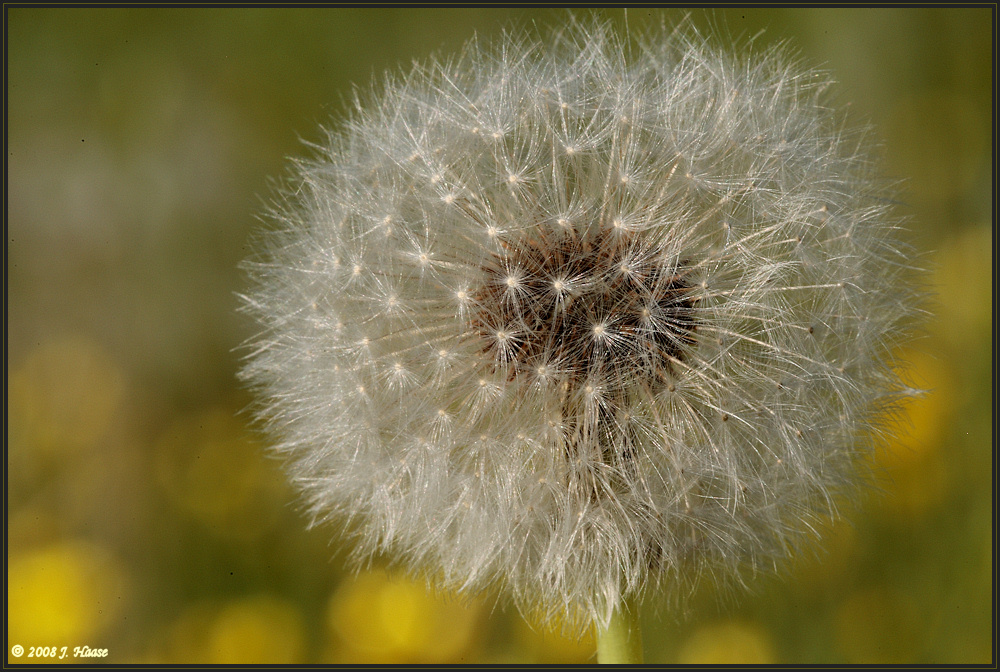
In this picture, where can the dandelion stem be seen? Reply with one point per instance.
(621, 643)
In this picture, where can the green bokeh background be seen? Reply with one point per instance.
(144, 516)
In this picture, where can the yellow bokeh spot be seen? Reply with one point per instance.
(926, 414)
(256, 630)
(64, 594)
(381, 620)
(63, 396)
(213, 471)
(876, 627)
(730, 643)
(917, 475)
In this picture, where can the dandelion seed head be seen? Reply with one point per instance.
(669, 355)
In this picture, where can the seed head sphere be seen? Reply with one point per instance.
(574, 317)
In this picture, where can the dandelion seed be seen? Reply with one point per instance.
(668, 355)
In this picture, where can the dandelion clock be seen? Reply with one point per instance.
(574, 320)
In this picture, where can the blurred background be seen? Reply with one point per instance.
(144, 516)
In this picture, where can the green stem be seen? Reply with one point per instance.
(621, 643)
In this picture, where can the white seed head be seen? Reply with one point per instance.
(668, 356)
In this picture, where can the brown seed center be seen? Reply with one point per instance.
(599, 308)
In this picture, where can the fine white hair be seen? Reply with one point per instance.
(573, 318)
